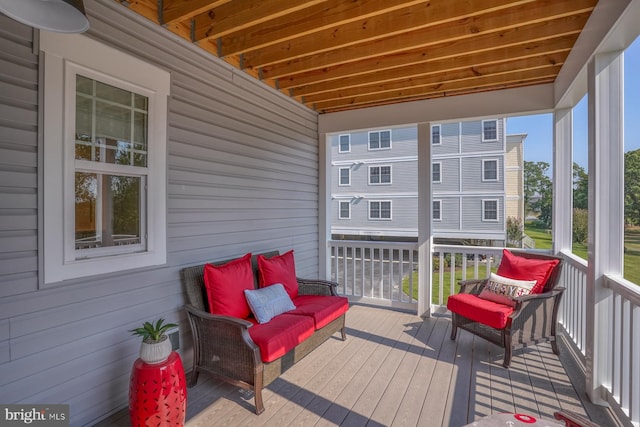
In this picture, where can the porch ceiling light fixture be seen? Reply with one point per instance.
(62, 16)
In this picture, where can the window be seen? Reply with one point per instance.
(345, 176)
(344, 143)
(436, 210)
(379, 175)
(379, 210)
(105, 119)
(489, 130)
(435, 135)
(380, 140)
(344, 210)
(490, 210)
(436, 169)
(489, 170)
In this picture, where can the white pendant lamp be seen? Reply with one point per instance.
(62, 16)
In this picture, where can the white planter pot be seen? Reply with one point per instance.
(156, 352)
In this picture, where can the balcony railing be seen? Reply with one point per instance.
(572, 315)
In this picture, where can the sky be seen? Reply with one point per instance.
(538, 147)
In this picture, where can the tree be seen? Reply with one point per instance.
(580, 187)
(632, 187)
(538, 191)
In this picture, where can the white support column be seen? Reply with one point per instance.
(324, 205)
(562, 179)
(425, 236)
(606, 211)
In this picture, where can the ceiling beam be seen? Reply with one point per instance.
(180, 10)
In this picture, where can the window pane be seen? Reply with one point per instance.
(111, 124)
(490, 131)
(374, 175)
(385, 210)
(385, 174)
(344, 176)
(344, 209)
(490, 209)
(436, 172)
(436, 210)
(490, 170)
(374, 140)
(107, 210)
(374, 210)
(385, 139)
(435, 135)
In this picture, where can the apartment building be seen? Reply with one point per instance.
(477, 174)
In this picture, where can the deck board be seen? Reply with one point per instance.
(394, 369)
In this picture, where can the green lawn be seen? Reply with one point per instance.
(539, 233)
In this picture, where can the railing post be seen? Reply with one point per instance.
(425, 238)
(562, 180)
(606, 212)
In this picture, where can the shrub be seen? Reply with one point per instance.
(580, 225)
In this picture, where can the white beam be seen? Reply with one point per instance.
(425, 235)
(606, 211)
(562, 179)
(324, 205)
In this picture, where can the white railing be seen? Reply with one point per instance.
(623, 392)
(380, 273)
(572, 314)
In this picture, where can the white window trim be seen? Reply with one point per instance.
(65, 54)
(380, 219)
(440, 174)
(340, 184)
(439, 210)
(379, 148)
(497, 170)
(380, 167)
(439, 134)
(484, 218)
(340, 150)
(482, 130)
(340, 202)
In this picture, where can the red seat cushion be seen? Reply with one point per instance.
(521, 268)
(279, 269)
(225, 285)
(322, 309)
(281, 334)
(480, 310)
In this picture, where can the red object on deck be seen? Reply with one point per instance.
(158, 393)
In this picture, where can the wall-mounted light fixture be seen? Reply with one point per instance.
(62, 16)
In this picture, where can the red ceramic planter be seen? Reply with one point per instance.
(158, 393)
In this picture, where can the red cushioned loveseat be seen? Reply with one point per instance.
(242, 348)
(521, 321)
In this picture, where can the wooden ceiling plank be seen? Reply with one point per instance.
(311, 20)
(180, 10)
(469, 73)
(359, 59)
(241, 14)
(465, 28)
(510, 53)
(503, 80)
(426, 15)
(146, 8)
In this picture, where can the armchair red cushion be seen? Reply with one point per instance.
(225, 285)
(281, 334)
(480, 310)
(520, 268)
(322, 309)
(279, 269)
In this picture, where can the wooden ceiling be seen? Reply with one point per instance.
(335, 55)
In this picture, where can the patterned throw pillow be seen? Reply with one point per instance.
(502, 289)
(267, 303)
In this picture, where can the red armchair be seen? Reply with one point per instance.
(526, 320)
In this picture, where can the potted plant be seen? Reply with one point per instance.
(156, 346)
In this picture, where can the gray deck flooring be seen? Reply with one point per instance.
(395, 369)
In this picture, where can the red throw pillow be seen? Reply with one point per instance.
(279, 269)
(225, 286)
(521, 268)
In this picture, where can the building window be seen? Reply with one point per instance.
(345, 176)
(437, 210)
(435, 134)
(344, 143)
(105, 118)
(436, 172)
(489, 170)
(379, 210)
(379, 175)
(380, 140)
(344, 211)
(489, 130)
(490, 210)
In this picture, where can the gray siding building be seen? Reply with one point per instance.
(374, 181)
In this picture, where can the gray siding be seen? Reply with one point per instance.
(449, 140)
(471, 137)
(242, 176)
(403, 143)
(403, 214)
(449, 175)
(472, 177)
(472, 215)
(450, 213)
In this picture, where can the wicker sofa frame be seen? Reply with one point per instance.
(534, 319)
(223, 347)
